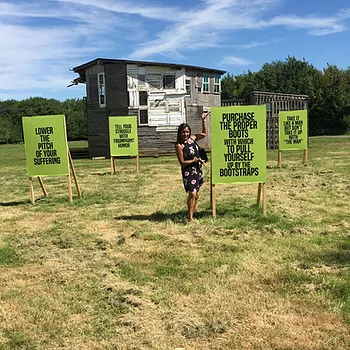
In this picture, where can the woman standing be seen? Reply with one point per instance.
(187, 152)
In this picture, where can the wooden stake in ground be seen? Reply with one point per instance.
(264, 199)
(31, 188)
(138, 164)
(213, 191)
(306, 158)
(32, 196)
(113, 167)
(279, 158)
(70, 194)
(259, 194)
(74, 173)
(262, 191)
(42, 186)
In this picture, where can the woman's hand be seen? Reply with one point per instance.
(205, 114)
(199, 160)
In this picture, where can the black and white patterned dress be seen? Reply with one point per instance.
(192, 174)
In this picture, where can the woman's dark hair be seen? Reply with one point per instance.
(180, 130)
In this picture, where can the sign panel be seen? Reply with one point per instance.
(238, 144)
(46, 145)
(123, 139)
(292, 130)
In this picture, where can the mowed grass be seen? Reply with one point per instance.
(121, 269)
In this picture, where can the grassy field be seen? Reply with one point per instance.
(120, 269)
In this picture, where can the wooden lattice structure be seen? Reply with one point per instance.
(274, 102)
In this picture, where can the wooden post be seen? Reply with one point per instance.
(138, 164)
(213, 200)
(264, 199)
(211, 184)
(70, 189)
(259, 194)
(279, 158)
(305, 158)
(32, 196)
(74, 173)
(42, 186)
(112, 165)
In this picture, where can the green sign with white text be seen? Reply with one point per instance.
(238, 144)
(123, 139)
(46, 145)
(292, 130)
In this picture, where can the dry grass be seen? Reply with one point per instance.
(121, 269)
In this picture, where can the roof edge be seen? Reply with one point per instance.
(143, 63)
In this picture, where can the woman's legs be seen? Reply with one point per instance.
(191, 204)
(196, 201)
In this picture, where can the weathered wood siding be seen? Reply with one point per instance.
(116, 89)
(198, 97)
(116, 104)
(96, 115)
(167, 107)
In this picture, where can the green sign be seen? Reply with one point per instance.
(46, 145)
(123, 139)
(292, 127)
(238, 144)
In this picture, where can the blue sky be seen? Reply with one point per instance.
(42, 40)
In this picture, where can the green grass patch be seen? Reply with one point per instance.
(122, 268)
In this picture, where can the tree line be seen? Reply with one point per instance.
(12, 111)
(328, 90)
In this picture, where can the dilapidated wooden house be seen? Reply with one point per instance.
(161, 95)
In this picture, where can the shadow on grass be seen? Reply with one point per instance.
(159, 216)
(13, 204)
(338, 256)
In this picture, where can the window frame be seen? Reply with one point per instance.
(188, 86)
(101, 88)
(144, 92)
(205, 83)
(139, 116)
(217, 84)
(165, 85)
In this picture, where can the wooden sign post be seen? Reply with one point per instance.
(47, 151)
(238, 148)
(293, 133)
(123, 139)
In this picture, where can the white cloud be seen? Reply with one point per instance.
(235, 61)
(315, 25)
(41, 40)
(131, 8)
(251, 45)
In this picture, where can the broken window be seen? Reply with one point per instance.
(169, 81)
(143, 117)
(188, 87)
(143, 98)
(101, 89)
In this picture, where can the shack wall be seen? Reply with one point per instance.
(167, 107)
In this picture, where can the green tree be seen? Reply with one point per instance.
(12, 111)
(328, 90)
